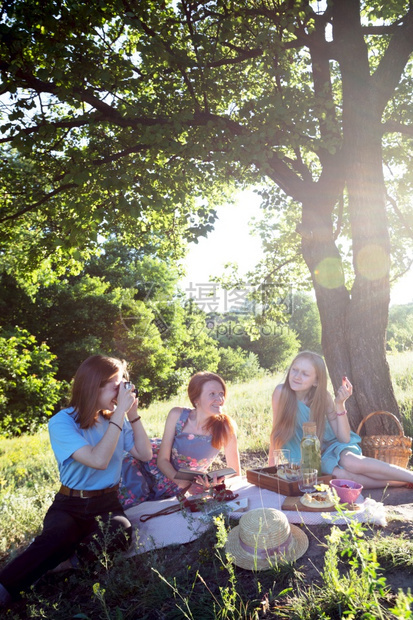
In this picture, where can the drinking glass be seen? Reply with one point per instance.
(292, 470)
(307, 480)
(281, 459)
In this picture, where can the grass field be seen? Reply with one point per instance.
(29, 479)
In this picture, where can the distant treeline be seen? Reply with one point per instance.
(129, 305)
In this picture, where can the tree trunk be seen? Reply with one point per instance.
(354, 325)
(367, 315)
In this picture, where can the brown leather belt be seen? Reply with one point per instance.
(85, 494)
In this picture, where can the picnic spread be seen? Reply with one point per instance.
(173, 523)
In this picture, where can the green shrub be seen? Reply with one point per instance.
(29, 391)
(400, 328)
(238, 365)
(276, 346)
(305, 322)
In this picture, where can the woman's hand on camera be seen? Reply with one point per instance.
(126, 397)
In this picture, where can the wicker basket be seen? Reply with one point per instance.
(395, 449)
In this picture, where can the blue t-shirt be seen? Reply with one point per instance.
(66, 437)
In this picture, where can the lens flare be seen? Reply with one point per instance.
(329, 273)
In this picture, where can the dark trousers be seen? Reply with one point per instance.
(71, 524)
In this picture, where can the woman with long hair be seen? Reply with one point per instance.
(304, 397)
(88, 438)
(192, 439)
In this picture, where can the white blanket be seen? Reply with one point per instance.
(183, 526)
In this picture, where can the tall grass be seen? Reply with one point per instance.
(401, 367)
(250, 405)
(28, 480)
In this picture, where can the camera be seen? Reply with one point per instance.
(128, 385)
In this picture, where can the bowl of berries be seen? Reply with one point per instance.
(347, 490)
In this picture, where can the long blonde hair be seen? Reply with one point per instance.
(284, 424)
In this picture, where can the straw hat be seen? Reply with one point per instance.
(264, 537)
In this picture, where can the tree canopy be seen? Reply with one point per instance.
(133, 118)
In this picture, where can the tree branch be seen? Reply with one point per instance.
(168, 48)
(380, 30)
(25, 79)
(245, 55)
(400, 274)
(82, 121)
(395, 127)
(329, 128)
(400, 215)
(35, 205)
(387, 75)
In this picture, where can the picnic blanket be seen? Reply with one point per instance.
(184, 526)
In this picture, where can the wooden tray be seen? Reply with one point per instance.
(262, 478)
(293, 503)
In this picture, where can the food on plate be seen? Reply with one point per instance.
(278, 474)
(317, 499)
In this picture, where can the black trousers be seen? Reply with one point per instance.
(71, 524)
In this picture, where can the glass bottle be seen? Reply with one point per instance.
(310, 447)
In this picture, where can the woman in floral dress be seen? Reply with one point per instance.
(192, 439)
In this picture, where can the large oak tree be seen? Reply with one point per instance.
(132, 116)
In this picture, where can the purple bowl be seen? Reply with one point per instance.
(347, 490)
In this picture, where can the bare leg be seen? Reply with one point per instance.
(368, 483)
(371, 473)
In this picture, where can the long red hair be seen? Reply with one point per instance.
(92, 375)
(220, 426)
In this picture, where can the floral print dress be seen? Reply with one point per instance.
(144, 481)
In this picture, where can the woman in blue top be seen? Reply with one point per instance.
(304, 397)
(89, 439)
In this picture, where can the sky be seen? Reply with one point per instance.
(230, 241)
(402, 292)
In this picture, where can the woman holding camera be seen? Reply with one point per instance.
(88, 438)
(192, 439)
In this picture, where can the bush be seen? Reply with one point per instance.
(275, 347)
(400, 328)
(236, 365)
(274, 344)
(305, 322)
(29, 391)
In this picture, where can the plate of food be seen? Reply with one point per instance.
(317, 499)
(320, 500)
